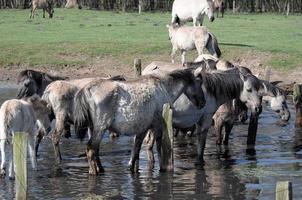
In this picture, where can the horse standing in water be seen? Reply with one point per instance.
(188, 38)
(59, 96)
(132, 107)
(28, 115)
(219, 88)
(192, 10)
(227, 113)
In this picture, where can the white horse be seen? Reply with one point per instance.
(192, 10)
(187, 38)
(26, 115)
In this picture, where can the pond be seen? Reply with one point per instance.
(229, 173)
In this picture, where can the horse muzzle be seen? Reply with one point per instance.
(212, 19)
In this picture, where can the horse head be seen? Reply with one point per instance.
(250, 93)
(209, 10)
(277, 99)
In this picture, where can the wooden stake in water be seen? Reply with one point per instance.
(20, 167)
(284, 190)
(167, 140)
(297, 98)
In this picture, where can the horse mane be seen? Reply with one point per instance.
(184, 74)
(37, 76)
(220, 84)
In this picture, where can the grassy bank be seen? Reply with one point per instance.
(79, 37)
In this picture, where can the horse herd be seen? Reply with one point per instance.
(204, 92)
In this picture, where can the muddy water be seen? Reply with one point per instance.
(229, 173)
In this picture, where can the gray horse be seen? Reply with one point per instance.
(34, 82)
(59, 96)
(219, 88)
(132, 107)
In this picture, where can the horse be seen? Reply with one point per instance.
(219, 88)
(188, 38)
(225, 116)
(29, 115)
(219, 6)
(132, 107)
(220, 64)
(34, 82)
(192, 10)
(59, 96)
(46, 5)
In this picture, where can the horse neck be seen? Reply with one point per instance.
(174, 87)
(223, 87)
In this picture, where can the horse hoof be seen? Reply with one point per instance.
(199, 163)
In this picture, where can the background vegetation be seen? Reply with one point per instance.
(80, 37)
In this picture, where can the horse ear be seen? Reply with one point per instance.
(199, 71)
(276, 82)
(242, 76)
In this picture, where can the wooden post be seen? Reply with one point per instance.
(20, 167)
(252, 131)
(284, 190)
(267, 75)
(297, 98)
(137, 67)
(234, 6)
(167, 162)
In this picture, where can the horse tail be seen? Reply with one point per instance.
(212, 45)
(82, 116)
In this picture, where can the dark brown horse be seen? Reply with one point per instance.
(34, 82)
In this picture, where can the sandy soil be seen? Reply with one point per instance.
(110, 66)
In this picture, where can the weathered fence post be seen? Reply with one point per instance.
(137, 67)
(284, 190)
(297, 98)
(20, 167)
(167, 140)
(267, 75)
(234, 6)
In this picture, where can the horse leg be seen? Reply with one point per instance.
(31, 151)
(56, 136)
(183, 55)
(228, 129)
(134, 161)
(174, 49)
(92, 153)
(202, 132)
(3, 158)
(39, 137)
(218, 131)
(149, 141)
(11, 162)
(43, 13)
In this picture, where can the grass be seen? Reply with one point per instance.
(77, 37)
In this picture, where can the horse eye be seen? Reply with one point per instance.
(249, 90)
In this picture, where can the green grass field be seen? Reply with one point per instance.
(76, 37)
